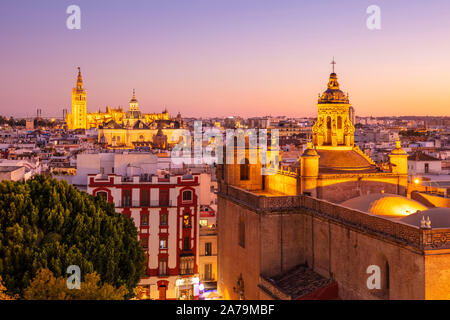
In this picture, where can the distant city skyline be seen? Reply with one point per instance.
(221, 58)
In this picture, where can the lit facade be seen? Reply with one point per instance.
(79, 118)
(165, 209)
(290, 225)
(208, 247)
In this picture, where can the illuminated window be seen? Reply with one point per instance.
(187, 265)
(186, 220)
(203, 222)
(163, 244)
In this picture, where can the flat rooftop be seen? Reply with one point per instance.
(9, 168)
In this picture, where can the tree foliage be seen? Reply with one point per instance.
(45, 286)
(45, 223)
(3, 294)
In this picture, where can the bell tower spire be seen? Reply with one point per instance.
(78, 117)
(79, 80)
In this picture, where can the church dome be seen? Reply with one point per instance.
(343, 161)
(333, 94)
(385, 204)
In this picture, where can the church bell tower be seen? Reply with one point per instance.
(79, 109)
(333, 127)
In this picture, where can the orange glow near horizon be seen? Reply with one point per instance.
(222, 58)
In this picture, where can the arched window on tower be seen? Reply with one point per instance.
(339, 122)
(244, 169)
(329, 123)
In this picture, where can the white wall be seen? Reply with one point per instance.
(418, 167)
(91, 164)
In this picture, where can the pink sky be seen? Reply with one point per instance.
(221, 58)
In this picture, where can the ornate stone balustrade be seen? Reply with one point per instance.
(411, 235)
(436, 239)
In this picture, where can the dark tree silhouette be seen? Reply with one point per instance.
(45, 223)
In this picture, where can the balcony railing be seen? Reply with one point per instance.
(144, 204)
(187, 271)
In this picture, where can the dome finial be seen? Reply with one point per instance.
(398, 143)
(79, 79)
(333, 63)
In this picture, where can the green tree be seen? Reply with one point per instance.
(45, 223)
(45, 286)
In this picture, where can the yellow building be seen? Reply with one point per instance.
(333, 126)
(138, 130)
(78, 118)
(316, 230)
(98, 119)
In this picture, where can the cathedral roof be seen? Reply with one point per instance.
(112, 125)
(343, 161)
(333, 94)
(140, 125)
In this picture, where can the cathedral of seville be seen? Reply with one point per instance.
(319, 228)
(119, 129)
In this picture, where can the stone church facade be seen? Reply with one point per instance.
(285, 236)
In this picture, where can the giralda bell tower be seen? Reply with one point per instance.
(79, 109)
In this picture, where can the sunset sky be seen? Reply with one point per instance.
(225, 57)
